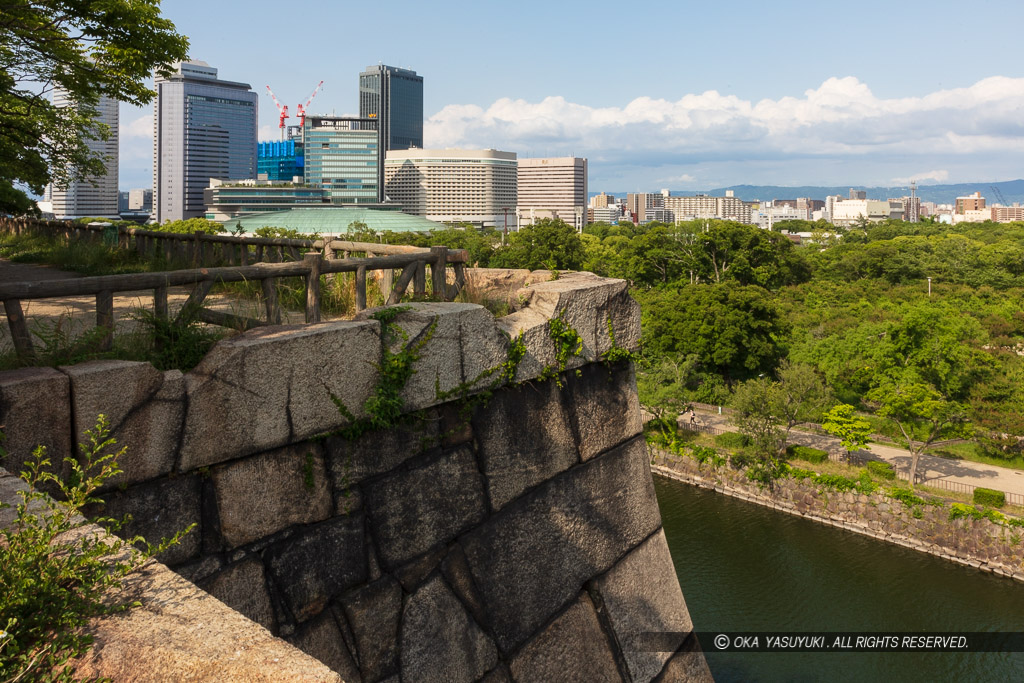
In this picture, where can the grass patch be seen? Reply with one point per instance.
(85, 257)
(973, 452)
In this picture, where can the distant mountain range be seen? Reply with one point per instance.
(1012, 191)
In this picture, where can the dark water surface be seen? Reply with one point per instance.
(744, 567)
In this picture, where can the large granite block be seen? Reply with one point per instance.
(373, 614)
(585, 302)
(143, 406)
(35, 410)
(440, 643)
(533, 557)
(687, 665)
(379, 451)
(243, 587)
(273, 385)
(158, 510)
(641, 594)
(413, 510)
(573, 648)
(604, 407)
(321, 638)
(321, 562)
(265, 493)
(524, 437)
(460, 344)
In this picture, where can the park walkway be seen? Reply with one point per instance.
(930, 468)
(76, 314)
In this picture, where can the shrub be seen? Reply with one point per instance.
(739, 460)
(906, 496)
(814, 456)
(52, 579)
(884, 470)
(733, 440)
(990, 497)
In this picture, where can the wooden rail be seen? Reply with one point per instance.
(320, 259)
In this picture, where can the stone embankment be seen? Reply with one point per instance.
(980, 543)
(504, 528)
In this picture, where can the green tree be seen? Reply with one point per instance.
(735, 332)
(843, 423)
(752, 404)
(545, 244)
(920, 412)
(801, 396)
(88, 48)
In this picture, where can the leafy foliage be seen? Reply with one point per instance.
(843, 423)
(88, 48)
(53, 574)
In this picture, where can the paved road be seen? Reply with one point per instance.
(929, 468)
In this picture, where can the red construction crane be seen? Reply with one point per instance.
(282, 109)
(302, 107)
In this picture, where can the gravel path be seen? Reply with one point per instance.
(930, 467)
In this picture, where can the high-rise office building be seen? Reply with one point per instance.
(394, 97)
(554, 188)
(93, 195)
(343, 156)
(280, 160)
(454, 185)
(203, 128)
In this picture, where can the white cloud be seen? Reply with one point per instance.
(141, 127)
(841, 120)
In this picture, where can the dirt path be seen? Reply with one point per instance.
(930, 467)
(69, 317)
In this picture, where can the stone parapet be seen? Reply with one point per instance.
(503, 528)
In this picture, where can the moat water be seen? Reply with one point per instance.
(743, 567)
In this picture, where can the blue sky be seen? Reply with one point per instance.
(655, 94)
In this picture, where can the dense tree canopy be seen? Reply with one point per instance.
(88, 48)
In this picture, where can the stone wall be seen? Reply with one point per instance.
(979, 543)
(502, 530)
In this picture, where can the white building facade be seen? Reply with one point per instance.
(93, 195)
(553, 188)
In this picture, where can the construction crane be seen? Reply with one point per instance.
(282, 110)
(302, 107)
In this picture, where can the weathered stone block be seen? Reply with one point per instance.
(572, 648)
(586, 302)
(456, 571)
(35, 410)
(321, 638)
(160, 509)
(461, 344)
(378, 451)
(244, 397)
(373, 614)
(604, 407)
(641, 594)
(524, 437)
(439, 641)
(262, 494)
(413, 510)
(533, 557)
(143, 406)
(243, 588)
(687, 665)
(314, 566)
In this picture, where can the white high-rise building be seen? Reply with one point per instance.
(553, 188)
(203, 128)
(453, 185)
(93, 195)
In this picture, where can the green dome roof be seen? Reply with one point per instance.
(334, 220)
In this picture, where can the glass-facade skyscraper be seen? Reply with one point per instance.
(93, 195)
(395, 97)
(203, 128)
(344, 157)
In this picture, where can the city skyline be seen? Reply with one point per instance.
(799, 94)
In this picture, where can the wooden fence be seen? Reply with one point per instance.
(286, 260)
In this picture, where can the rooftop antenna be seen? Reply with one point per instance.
(913, 201)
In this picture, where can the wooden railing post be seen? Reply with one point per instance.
(439, 279)
(19, 330)
(360, 288)
(419, 286)
(460, 278)
(269, 286)
(160, 309)
(313, 261)
(105, 317)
